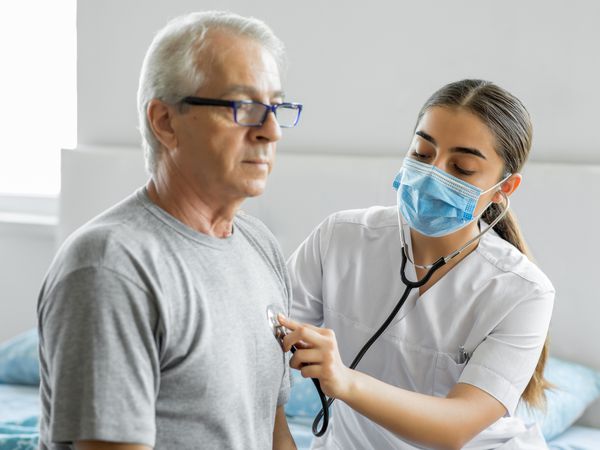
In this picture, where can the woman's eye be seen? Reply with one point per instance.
(463, 171)
(419, 155)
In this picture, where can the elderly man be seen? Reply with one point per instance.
(152, 318)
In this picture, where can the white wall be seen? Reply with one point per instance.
(25, 254)
(363, 69)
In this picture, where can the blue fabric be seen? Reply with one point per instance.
(576, 387)
(301, 409)
(19, 362)
(304, 400)
(577, 438)
(301, 429)
(432, 201)
(19, 416)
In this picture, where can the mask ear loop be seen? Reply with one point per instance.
(488, 228)
(470, 241)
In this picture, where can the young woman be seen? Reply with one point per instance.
(451, 367)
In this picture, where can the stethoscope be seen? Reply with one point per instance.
(279, 331)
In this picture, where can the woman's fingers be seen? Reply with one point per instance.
(316, 356)
(300, 345)
(304, 337)
(304, 333)
(304, 357)
(310, 371)
(292, 324)
(288, 323)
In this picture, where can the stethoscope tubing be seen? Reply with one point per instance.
(410, 285)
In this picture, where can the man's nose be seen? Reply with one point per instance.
(269, 130)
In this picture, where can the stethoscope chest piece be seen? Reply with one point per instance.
(276, 328)
(279, 332)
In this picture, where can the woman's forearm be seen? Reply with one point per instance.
(444, 423)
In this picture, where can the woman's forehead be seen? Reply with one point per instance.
(456, 127)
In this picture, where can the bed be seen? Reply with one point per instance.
(305, 188)
(19, 396)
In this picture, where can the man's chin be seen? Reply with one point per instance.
(256, 188)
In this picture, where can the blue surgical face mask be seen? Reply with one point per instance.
(433, 202)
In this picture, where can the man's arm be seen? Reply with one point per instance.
(99, 445)
(282, 438)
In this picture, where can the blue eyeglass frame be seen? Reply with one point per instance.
(203, 101)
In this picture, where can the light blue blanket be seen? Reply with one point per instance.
(19, 416)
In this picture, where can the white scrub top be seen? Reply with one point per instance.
(495, 303)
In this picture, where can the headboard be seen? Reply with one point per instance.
(557, 206)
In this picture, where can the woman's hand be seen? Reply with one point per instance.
(317, 356)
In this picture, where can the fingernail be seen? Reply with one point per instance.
(280, 316)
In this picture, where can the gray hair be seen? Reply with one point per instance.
(170, 70)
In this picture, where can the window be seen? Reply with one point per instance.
(39, 105)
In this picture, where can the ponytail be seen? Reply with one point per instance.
(508, 229)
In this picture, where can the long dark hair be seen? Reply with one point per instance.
(510, 123)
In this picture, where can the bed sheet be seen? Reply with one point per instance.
(19, 417)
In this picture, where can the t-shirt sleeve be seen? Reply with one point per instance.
(97, 333)
(305, 266)
(504, 362)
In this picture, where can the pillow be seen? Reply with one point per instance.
(19, 359)
(304, 400)
(575, 388)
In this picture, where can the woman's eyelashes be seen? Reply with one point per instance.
(418, 155)
(424, 157)
(463, 171)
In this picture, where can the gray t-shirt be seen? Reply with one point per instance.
(153, 333)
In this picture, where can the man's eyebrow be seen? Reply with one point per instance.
(250, 91)
(467, 150)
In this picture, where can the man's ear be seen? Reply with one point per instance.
(508, 187)
(160, 116)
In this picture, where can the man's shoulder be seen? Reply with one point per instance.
(122, 231)
(124, 222)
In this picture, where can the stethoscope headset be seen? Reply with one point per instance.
(279, 331)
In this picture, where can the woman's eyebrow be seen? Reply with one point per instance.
(467, 150)
(426, 137)
(470, 151)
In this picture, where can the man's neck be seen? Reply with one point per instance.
(195, 209)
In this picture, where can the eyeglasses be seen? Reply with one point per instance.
(253, 114)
